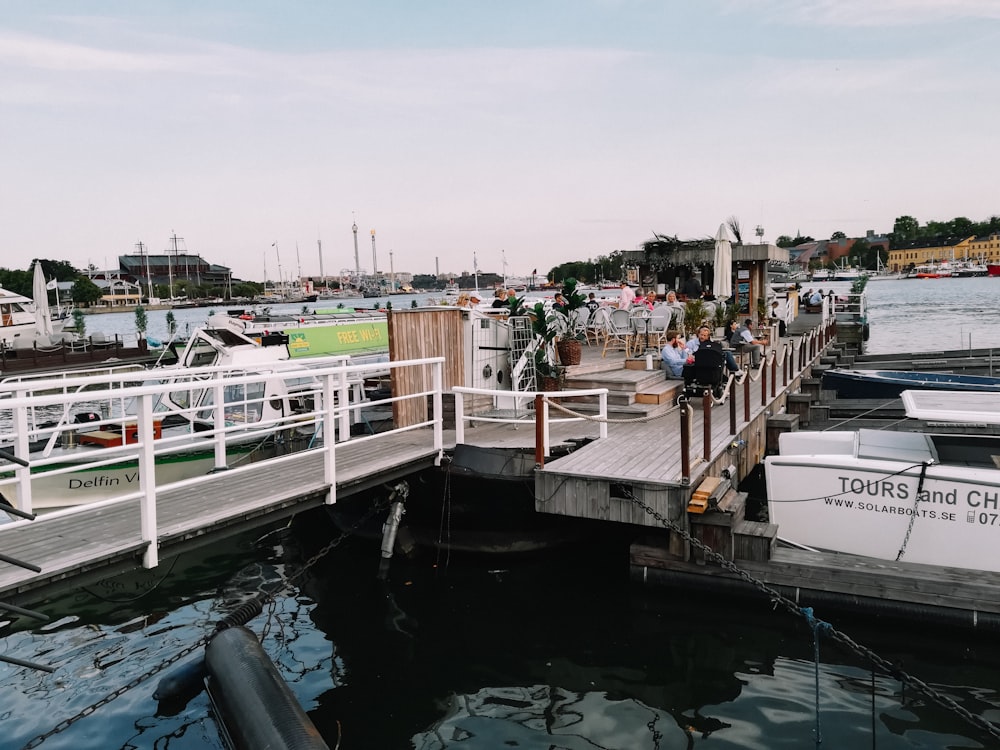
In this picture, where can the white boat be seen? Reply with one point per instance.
(79, 452)
(917, 497)
(451, 289)
(19, 324)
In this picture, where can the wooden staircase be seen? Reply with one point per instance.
(631, 393)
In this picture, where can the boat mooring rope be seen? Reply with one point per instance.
(820, 627)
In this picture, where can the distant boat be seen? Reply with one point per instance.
(891, 383)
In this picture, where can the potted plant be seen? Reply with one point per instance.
(548, 374)
(695, 314)
(720, 319)
(563, 321)
(141, 322)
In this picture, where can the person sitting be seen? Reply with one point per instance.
(559, 303)
(501, 299)
(816, 299)
(703, 338)
(743, 338)
(648, 301)
(675, 355)
(707, 295)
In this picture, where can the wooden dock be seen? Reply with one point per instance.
(91, 543)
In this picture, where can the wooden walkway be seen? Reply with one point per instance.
(93, 543)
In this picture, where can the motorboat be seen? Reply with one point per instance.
(891, 383)
(917, 497)
(19, 324)
(78, 451)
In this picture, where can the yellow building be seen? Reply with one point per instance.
(935, 250)
(985, 249)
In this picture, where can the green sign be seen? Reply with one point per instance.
(345, 338)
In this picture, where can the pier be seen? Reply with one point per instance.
(618, 445)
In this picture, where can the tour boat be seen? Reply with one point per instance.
(72, 447)
(912, 496)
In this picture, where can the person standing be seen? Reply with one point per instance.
(625, 297)
(591, 304)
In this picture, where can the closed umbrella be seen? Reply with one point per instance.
(723, 264)
(43, 320)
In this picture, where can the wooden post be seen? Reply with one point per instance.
(786, 364)
(706, 423)
(774, 375)
(732, 412)
(746, 397)
(763, 385)
(685, 412)
(539, 430)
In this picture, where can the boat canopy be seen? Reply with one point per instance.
(968, 407)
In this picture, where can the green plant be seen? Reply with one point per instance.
(761, 308)
(695, 314)
(561, 319)
(721, 315)
(79, 322)
(413, 303)
(141, 321)
(171, 323)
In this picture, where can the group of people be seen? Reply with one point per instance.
(677, 353)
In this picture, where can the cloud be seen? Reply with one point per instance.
(872, 13)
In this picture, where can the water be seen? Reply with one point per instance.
(930, 315)
(558, 651)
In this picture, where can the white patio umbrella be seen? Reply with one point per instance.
(723, 264)
(43, 319)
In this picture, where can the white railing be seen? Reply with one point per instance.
(528, 417)
(323, 392)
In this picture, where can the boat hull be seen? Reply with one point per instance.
(891, 383)
(871, 508)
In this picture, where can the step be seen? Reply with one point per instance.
(616, 380)
(754, 540)
(664, 392)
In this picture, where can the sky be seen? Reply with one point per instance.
(514, 135)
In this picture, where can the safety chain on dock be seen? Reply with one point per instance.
(240, 616)
(819, 626)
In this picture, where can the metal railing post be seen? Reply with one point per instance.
(459, 418)
(602, 400)
(219, 422)
(22, 450)
(330, 429)
(438, 373)
(147, 482)
(343, 400)
(774, 373)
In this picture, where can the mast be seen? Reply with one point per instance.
(281, 281)
(319, 247)
(145, 256)
(357, 263)
(298, 262)
(170, 267)
(374, 262)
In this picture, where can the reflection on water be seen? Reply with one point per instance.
(539, 653)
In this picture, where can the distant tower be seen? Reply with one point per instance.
(759, 231)
(357, 263)
(437, 267)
